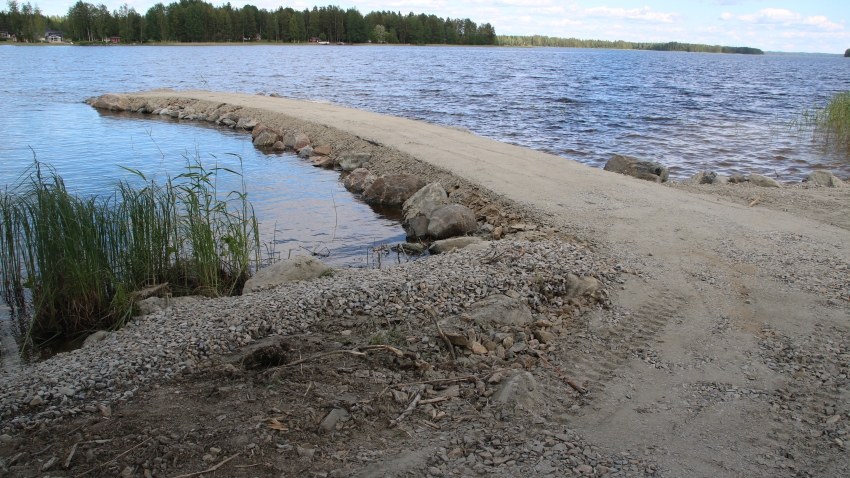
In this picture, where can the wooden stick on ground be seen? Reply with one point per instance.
(70, 456)
(407, 411)
(756, 200)
(210, 470)
(578, 388)
(114, 459)
(448, 342)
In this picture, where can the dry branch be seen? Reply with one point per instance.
(756, 200)
(578, 388)
(406, 412)
(210, 470)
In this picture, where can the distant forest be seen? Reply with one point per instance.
(191, 21)
(199, 21)
(538, 40)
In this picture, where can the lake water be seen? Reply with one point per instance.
(693, 112)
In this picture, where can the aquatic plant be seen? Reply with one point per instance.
(830, 124)
(75, 262)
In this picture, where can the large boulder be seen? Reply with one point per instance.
(257, 130)
(448, 245)
(352, 161)
(497, 310)
(425, 201)
(763, 181)
(393, 190)
(359, 180)
(825, 179)
(298, 268)
(111, 102)
(451, 220)
(581, 286)
(296, 141)
(266, 138)
(638, 168)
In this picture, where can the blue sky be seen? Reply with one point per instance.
(811, 26)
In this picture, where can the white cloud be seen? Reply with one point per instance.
(781, 16)
(644, 13)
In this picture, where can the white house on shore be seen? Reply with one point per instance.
(52, 36)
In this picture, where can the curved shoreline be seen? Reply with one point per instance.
(739, 312)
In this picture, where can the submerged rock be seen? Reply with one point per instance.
(305, 152)
(638, 168)
(298, 268)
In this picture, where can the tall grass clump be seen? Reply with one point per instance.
(75, 262)
(831, 124)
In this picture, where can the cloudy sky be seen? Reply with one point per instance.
(776, 25)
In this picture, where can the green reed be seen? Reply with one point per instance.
(830, 124)
(76, 261)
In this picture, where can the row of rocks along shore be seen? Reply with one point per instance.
(501, 304)
(505, 299)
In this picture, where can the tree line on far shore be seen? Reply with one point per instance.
(199, 21)
(189, 21)
(545, 41)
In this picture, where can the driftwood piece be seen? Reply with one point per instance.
(209, 470)
(756, 200)
(448, 342)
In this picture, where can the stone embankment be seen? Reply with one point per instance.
(463, 211)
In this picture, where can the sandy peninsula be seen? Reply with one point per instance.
(719, 348)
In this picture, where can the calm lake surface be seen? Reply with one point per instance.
(690, 111)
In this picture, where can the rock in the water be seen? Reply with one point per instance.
(580, 286)
(305, 152)
(111, 102)
(95, 337)
(352, 161)
(278, 146)
(499, 310)
(451, 220)
(266, 138)
(425, 201)
(359, 180)
(299, 268)
(393, 190)
(825, 179)
(763, 181)
(447, 245)
(638, 168)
